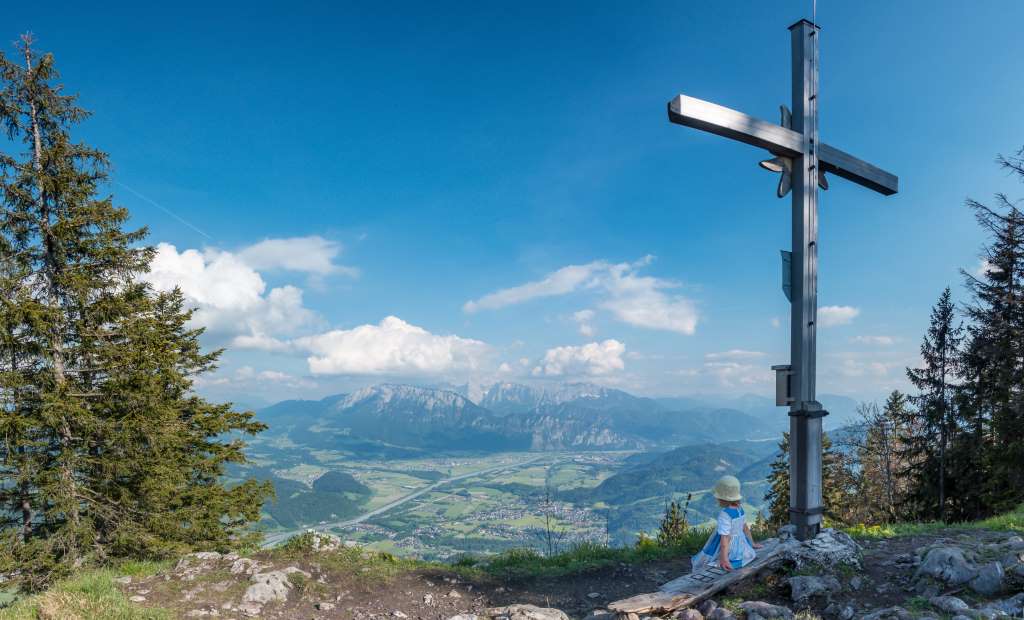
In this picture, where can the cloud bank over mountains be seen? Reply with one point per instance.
(264, 324)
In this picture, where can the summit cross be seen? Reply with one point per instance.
(802, 161)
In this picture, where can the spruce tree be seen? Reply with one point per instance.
(106, 450)
(931, 426)
(993, 364)
(838, 492)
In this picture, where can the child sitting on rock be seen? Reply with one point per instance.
(731, 545)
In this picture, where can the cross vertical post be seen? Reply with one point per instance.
(802, 159)
(805, 460)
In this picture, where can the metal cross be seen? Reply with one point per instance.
(802, 160)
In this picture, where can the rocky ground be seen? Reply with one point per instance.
(970, 575)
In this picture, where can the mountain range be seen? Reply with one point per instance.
(402, 419)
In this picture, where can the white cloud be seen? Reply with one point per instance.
(583, 319)
(984, 268)
(735, 354)
(590, 359)
(882, 341)
(390, 347)
(565, 280)
(230, 296)
(830, 316)
(313, 255)
(737, 374)
(637, 300)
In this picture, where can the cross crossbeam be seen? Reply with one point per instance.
(778, 140)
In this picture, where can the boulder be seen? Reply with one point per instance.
(989, 579)
(244, 566)
(323, 542)
(267, 587)
(767, 611)
(946, 564)
(721, 613)
(828, 548)
(706, 607)
(688, 614)
(949, 604)
(1013, 606)
(526, 612)
(806, 587)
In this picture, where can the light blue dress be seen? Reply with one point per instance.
(741, 549)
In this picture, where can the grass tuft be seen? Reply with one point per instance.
(89, 596)
(1012, 521)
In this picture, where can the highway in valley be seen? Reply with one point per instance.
(276, 538)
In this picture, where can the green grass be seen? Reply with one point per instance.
(1012, 521)
(91, 595)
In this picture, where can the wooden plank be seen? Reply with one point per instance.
(688, 590)
(779, 140)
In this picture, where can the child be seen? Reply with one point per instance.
(731, 546)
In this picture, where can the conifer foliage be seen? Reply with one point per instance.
(105, 450)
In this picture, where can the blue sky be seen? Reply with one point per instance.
(331, 165)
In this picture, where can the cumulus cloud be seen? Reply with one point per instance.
(881, 341)
(631, 298)
(732, 374)
(390, 347)
(230, 296)
(592, 359)
(313, 255)
(830, 316)
(735, 354)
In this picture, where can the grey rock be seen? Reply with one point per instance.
(949, 604)
(766, 610)
(137, 598)
(123, 580)
(805, 587)
(469, 617)
(889, 613)
(1013, 606)
(721, 613)
(688, 614)
(453, 593)
(251, 609)
(594, 595)
(856, 582)
(526, 612)
(324, 606)
(708, 606)
(267, 587)
(399, 614)
(989, 580)
(846, 613)
(829, 548)
(428, 599)
(946, 564)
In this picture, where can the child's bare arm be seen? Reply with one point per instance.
(723, 552)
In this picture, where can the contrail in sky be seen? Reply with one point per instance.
(164, 209)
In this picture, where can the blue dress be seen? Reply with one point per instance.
(741, 549)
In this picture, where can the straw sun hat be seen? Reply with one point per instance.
(727, 489)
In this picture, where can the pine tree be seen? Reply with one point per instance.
(932, 424)
(838, 485)
(993, 365)
(105, 449)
